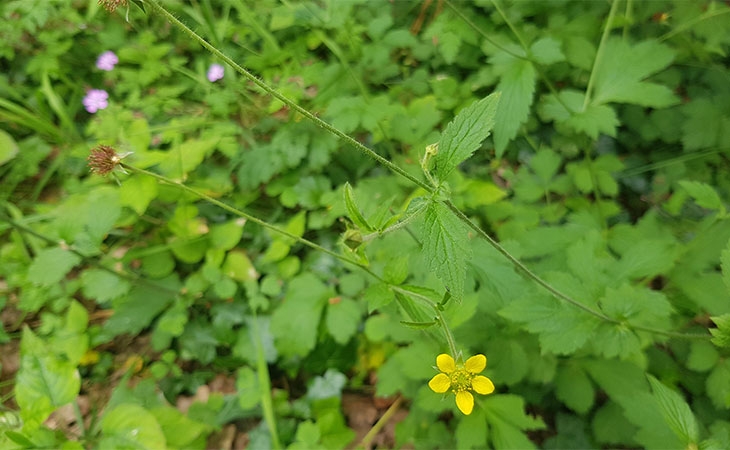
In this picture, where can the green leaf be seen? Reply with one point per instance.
(508, 421)
(226, 235)
(247, 384)
(137, 193)
(567, 110)
(239, 267)
(44, 382)
(136, 310)
(547, 51)
(725, 265)
(179, 430)
(354, 212)
(703, 194)
(130, 426)
(619, 76)
(702, 356)
(562, 329)
(103, 286)
(8, 147)
(676, 412)
(517, 86)
(51, 265)
(446, 247)
(342, 319)
(574, 388)
(471, 431)
(721, 334)
(465, 133)
(718, 385)
(295, 323)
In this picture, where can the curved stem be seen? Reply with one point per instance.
(290, 103)
(249, 217)
(599, 53)
(523, 268)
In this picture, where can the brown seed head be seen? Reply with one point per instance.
(103, 159)
(111, 5)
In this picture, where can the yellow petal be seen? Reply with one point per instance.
(465, 401)
(440, 383)
(476, 363)
(482, 385)
(445, 363)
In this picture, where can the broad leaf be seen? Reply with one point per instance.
(620, 76)
(44, 381)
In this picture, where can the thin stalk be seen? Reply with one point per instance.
(132, 277)
(264, 379)
(599, 53)
(447, 333)
(276, 94)
(384, 419)
(249, 217)
(522, 268)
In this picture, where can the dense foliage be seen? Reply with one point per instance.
(540, 182)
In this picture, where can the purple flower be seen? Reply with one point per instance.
(107, 61)
(95, 100)
(215, 73)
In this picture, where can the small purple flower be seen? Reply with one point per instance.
(107, 61)
(95, 100)
(215, 73)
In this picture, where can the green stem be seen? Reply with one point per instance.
(392, 409)
(599, 53)
(276, 94)
(264, 379)
(398, 225)
(522, 268)
(249, 217)
(447, 332)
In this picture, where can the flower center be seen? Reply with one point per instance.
(461, 380)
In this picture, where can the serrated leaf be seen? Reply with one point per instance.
(591, 120)
(676, 412)
(465, 133)
(446, 247)
(547, 51)
(517, 86)
(51, 265)
(619, 78)
(353, 211)
(703, 194)
(562, 329)
(721, 334)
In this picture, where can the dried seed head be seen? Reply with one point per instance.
(103, 159)
(111, 5)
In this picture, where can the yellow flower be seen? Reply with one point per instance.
(461, 380)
